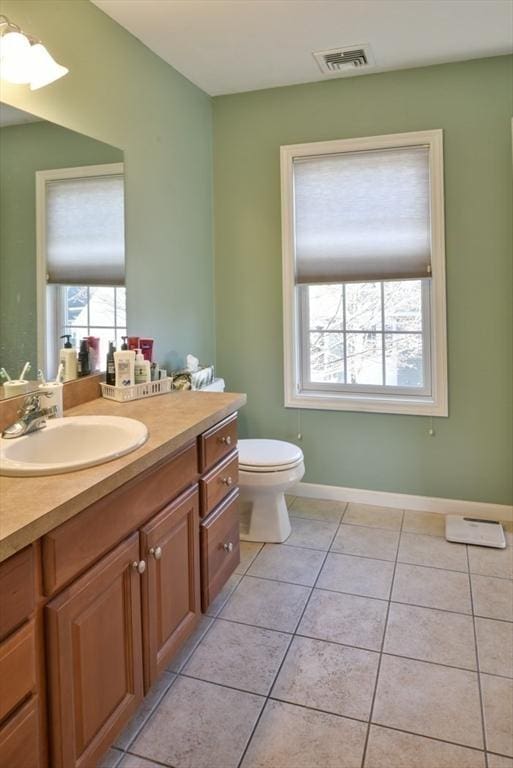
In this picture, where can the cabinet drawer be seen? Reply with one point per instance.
(217, 442)
(215, 485)
(78, 543)
(19, 738)
(17, 668)
(16, 590)
(220, 552)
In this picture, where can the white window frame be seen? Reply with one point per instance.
(435, 401)
(44, 318)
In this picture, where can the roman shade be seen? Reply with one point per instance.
(85, 242)
(362, 216)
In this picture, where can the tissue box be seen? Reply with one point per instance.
(193, 379)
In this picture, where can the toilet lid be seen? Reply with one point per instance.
(268, 454)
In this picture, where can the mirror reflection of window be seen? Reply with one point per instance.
(81, 264)
(93, 310)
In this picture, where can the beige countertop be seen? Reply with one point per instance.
(32, 506)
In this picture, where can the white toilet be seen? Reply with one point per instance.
(267, 470)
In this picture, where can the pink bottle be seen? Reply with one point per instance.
(94, 352)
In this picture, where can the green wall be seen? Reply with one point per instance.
(25, 149)
(121, 93)
(470, 456)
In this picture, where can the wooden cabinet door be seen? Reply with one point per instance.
(95, 658)
(171, 583)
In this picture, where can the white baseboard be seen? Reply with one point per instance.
(405, 501)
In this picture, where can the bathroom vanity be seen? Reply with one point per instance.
(105, 573)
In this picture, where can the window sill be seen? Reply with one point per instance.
(408, 405)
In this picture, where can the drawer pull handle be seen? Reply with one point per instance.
(226, 440)
(156, 552)
(228, 547)
(140, 566)
(227, 480)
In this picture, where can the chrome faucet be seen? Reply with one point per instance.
(32, 417)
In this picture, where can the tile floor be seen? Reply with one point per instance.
(366, 640)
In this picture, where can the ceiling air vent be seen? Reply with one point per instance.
(346, 60)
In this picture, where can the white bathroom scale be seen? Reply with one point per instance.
(469, 530)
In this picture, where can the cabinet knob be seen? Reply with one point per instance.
(228, 547)
(226, 440)
(156, 552)
(140, 566)
(227, 480)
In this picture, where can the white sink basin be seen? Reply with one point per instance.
(70, 443)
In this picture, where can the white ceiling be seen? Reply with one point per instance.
(228, 46)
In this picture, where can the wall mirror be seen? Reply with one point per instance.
(61, 244)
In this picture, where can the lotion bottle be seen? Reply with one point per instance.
(68, 357)
(124, 362)
(142, 368)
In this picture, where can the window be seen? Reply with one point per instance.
(365, 335)
(81, 258)
(364, 281)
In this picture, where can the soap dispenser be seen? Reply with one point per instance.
(68, 358)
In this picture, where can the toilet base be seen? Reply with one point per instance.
(265, 519)
(264, 513)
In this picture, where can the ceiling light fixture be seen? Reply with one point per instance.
(24, 59)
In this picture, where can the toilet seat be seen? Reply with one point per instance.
(268, 455)
(270, 468)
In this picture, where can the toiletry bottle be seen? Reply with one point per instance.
(94, 352)
(84, 368)
(110, 373)
(68, 357)
(124, 345)
(147, 348)
(142, 368)
(124, 362)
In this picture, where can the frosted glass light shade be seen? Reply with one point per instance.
(15, 58)
(44, 68)
(22, 63)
